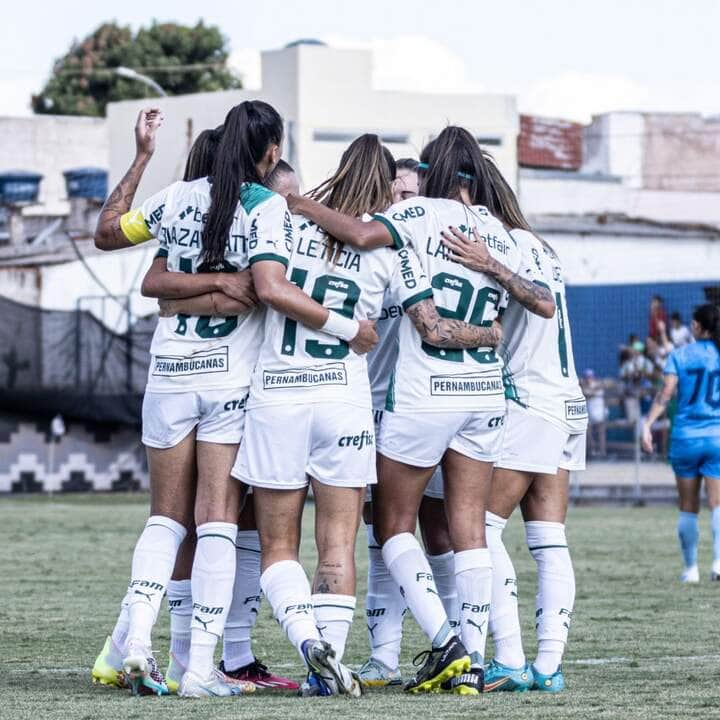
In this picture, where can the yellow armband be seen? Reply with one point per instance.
(134, 227)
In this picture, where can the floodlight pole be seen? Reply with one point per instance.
(131, 74)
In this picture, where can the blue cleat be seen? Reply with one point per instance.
(314, 686)
(501, 678)
(549, 683)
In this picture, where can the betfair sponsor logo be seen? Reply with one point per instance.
(319, 375)
(211, 361)
(364, 439)
(470, 384)
(391, 311)
(576, 409)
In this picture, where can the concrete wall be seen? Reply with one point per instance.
(50, 144)
(544, 194)
(317, 90)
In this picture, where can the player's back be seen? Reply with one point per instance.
(298, 364)
(698, 369)
(205, 351)
(539, 364)
(434, 379)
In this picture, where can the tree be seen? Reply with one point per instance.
(181, 59)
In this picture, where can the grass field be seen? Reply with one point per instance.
(641, 645)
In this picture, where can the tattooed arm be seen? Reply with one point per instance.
(659, 406)
(108, 233)
(474, 255)
(453, 334)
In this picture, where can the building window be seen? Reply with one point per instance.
(343, 136)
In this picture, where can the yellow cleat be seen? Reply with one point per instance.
(104, 672)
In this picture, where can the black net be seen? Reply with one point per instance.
(69, 362)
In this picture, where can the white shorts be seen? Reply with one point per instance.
(422, 438)
(283, 445)
(532, 444)
(219, 416)
(434, 488)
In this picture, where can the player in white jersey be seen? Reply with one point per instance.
(384, 605)
(310, 415)
(200, 372)
(544, 442)
(442, 405)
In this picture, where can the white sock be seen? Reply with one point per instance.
(179, 596)
(409, 567)
(443, 570)
(152, 565)
(384, 608)
(237, 645)
(504, 620)
(120, 631)
(473, 575)
(334, 616)
(286, 587)
(556, 591)
(213, 575)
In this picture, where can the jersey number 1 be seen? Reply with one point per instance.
(315, 348)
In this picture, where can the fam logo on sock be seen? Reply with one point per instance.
(302, 608)
(147, 585)
(475, 608)
(375, 612)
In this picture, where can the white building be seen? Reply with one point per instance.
(326, 98)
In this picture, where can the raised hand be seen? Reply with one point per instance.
(148, 122)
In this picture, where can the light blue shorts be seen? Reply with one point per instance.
(696, 457)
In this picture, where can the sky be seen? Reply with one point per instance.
(561, 58)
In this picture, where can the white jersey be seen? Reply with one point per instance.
(300, 365)
(381, 360)
(202, 353)
(539, 365)
(431, 379)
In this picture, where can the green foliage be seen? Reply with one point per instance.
(180, 58)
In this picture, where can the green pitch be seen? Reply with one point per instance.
(641, 645)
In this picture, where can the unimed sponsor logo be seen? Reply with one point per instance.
(329, 374)
(474, 384)
(210, 361)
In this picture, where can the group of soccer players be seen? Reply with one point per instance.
(398, 340)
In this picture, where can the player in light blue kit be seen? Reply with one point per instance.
(694, 370)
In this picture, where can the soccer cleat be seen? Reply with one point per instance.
(259, 675)
(142, 672)
(375, 673)
(469, 683)
(439, 666)
(314, 686)
(106, 672)
(173, 674)
(548, 683)
(217, 685)
(690, 575)
(320, 658)
(501, 678)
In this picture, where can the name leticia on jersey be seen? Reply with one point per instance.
(348, 259)
(330, 374)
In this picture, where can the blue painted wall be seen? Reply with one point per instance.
(602, 317)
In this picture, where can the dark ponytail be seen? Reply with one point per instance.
(452, 161)
(708, 318)
(250, 128)
(202, 154)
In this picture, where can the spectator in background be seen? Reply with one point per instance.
(594, 392)
(657, 349)
(679, 332)
(657, 315)
(635, 372)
